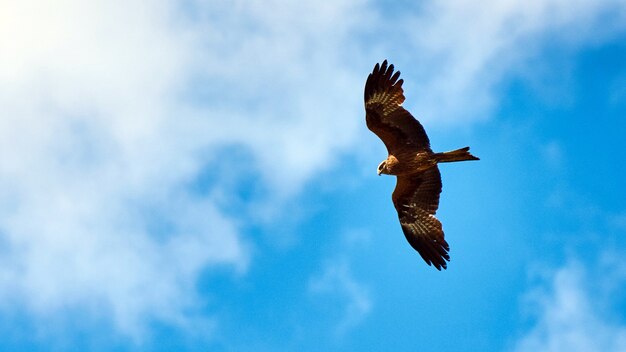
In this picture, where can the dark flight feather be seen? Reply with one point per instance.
(386, 117)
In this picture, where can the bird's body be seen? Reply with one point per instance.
(404, 164)
(416, 196)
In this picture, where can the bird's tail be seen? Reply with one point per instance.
(455, 155)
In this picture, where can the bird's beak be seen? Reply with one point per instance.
(379, 169)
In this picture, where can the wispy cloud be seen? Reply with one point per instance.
(465, 50)
(574, 309)
(553, 155)
(337, 279)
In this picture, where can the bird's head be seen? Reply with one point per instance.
(382, 168)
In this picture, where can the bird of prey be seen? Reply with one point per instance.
(410, 159)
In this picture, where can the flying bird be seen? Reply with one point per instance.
(410, 159)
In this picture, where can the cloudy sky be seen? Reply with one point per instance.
(197, 175)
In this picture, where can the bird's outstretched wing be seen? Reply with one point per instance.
(416, 199)
(386, 117)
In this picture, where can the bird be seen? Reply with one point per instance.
(411, 160)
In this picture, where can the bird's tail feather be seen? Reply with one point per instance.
(455, 155)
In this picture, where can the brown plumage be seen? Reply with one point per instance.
(416, 196)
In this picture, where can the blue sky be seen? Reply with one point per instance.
(198, 176)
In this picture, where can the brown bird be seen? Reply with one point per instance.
(416, 196)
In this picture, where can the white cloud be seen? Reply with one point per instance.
(112, 110)
(291, 72)
(574, 309)
(87, 155)
(462, 50)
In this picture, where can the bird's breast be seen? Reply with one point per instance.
(409, 163)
